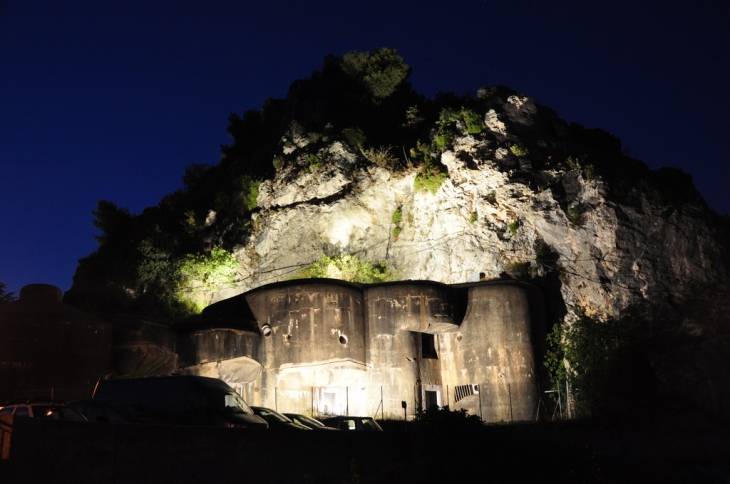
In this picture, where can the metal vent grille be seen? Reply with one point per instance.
(463, 391)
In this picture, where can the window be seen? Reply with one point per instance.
(22, 412)
(428, 346)
(348, 425)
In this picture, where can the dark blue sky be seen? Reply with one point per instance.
(112, 99)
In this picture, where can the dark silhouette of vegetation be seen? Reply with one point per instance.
(443, 419)
(607, 363)
(5, 297)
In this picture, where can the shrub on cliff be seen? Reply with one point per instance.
(381, 70)
(348, 268)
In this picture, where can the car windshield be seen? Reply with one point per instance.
(57, 412)
(371, 424)
(270, 415)
(231, 403)
(310, 421)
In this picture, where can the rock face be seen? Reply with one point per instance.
(590, 242)
(487, 218)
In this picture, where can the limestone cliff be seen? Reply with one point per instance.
(495, 214)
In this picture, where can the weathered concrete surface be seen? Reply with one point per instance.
(142, 348)
(50, 348)
(314, 337)
(493, 349)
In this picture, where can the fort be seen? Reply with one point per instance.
(314, 346)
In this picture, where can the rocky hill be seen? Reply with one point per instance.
(355, 165)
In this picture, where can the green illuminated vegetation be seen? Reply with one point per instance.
(519, 150)
(380, 71)
(473, 218)
(397, 216)
(604, 362)
(347, 268)
(514, 226)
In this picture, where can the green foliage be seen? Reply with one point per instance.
(576, 214)
(278, 163)
(158, 268)
(443, 139)
(519, 150)
(444, 419)
(315, 163)
(492, 197)
(382, 70)
(396, 232)
(5, 297)
(354, 137)
(348, 268)
(514, 226)
(605, 362)
(413, 117)
(214, 269)
(429, 181)
(473, 218)
(397, 216)
(472, 121)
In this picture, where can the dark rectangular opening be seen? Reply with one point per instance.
(432, 399)
(428, 346)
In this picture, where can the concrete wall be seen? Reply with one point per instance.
(314, 344)
(397, 315)
(142, 348)
(493, 350)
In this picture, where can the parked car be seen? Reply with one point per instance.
(115, 411)
(41, 409)
(184, 399)
(310, 422)
(276, 420)
(352, 423)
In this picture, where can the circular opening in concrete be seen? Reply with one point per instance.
(266, 330)
(343, 339)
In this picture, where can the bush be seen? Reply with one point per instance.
(213, 269)
(608, 364)
(444, 419)
(576, 214)
(354, 137)
(397, 216)
(348, 268)
(514, 226)
(380, 157)
(381, 71)
(429, 181)
(519, 150)
(473, 218)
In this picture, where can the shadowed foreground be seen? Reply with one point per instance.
(36, 451)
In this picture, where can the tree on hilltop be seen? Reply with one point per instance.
(5, 297)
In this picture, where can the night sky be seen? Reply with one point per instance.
(111, 99)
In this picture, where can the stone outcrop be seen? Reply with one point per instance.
(588, 241)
